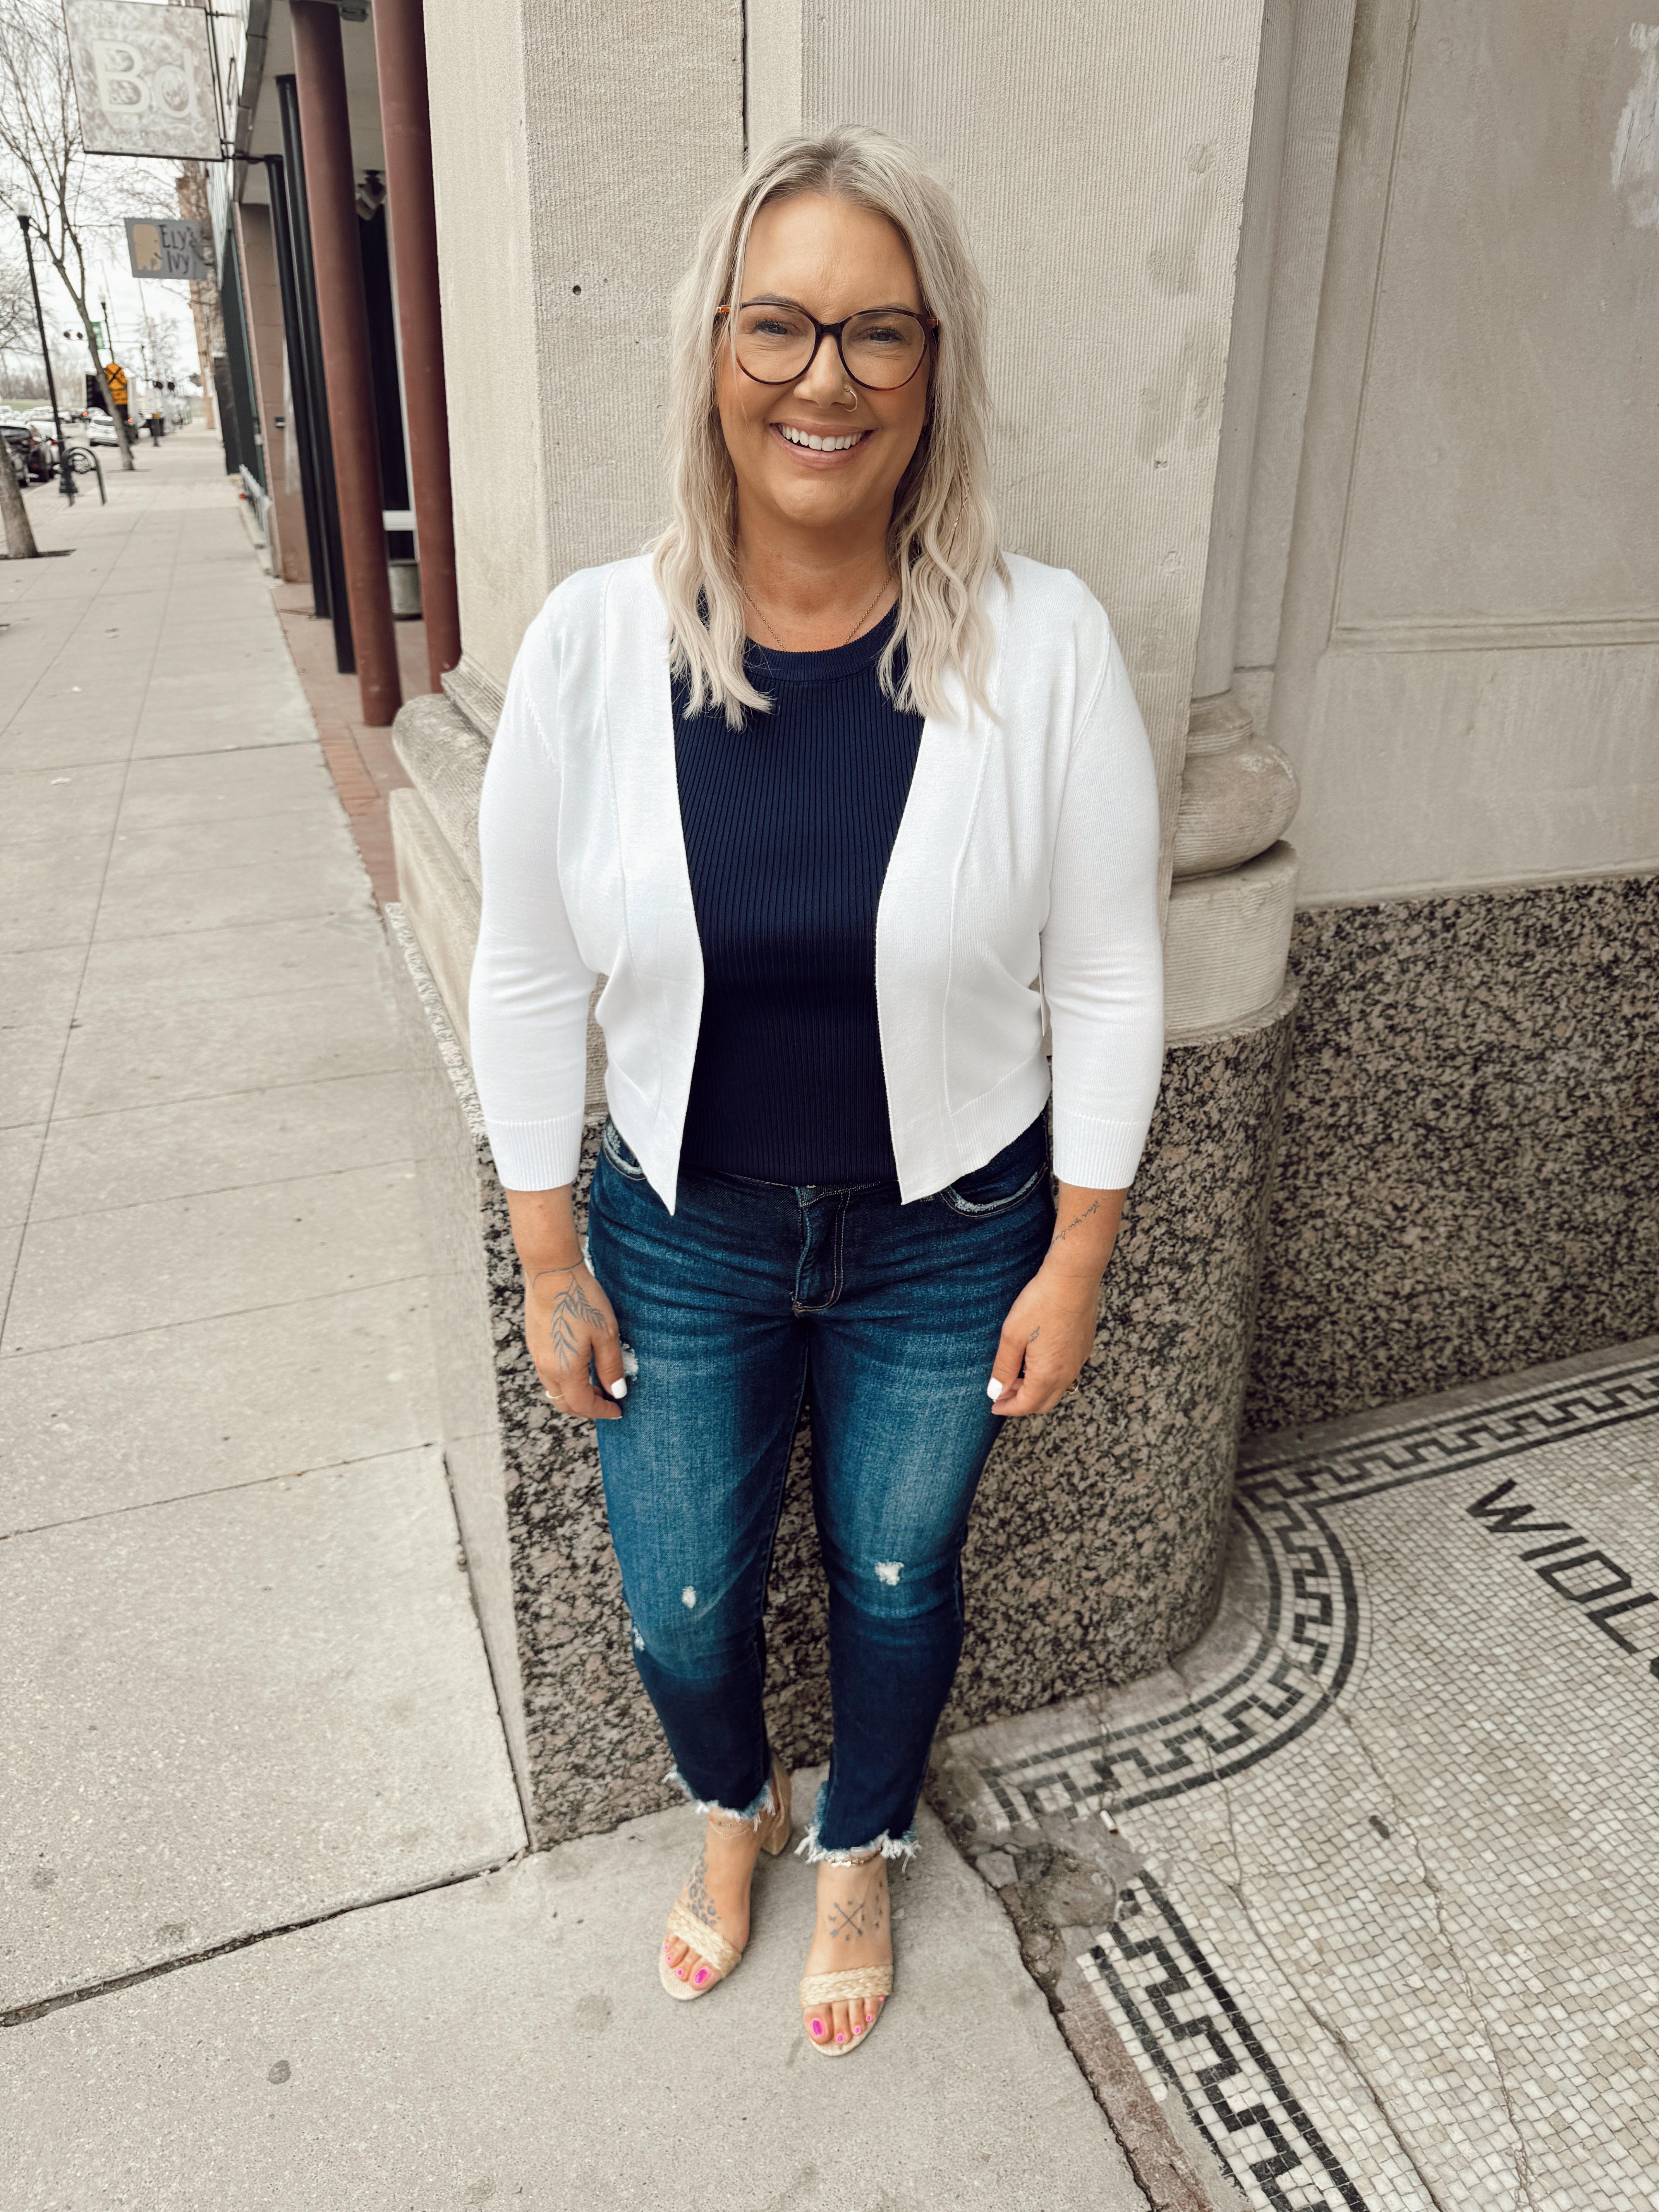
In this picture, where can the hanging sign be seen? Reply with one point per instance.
(143, 79)
(166, 247)
(116, 377)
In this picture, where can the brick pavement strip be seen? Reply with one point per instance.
(365, 770)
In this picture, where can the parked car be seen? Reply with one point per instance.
(101, 430)
(30, 456)
(40, 421)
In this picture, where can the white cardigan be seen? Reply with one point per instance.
(1028, 848)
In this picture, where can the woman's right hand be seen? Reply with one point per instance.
(568, 1323)
(567, 1320)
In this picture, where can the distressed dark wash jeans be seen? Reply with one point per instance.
(735, 1305)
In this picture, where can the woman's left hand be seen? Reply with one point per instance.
(1050, 1328)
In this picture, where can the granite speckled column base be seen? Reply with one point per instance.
(1470, 1183)
(1096, 1547)
(1097, 1538)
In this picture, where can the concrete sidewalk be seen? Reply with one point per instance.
(268, 1938)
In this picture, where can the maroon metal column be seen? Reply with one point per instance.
(407, 124)
(331, 190)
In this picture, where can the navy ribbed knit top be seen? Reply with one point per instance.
(789, 825)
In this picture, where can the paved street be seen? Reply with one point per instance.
(269, 1937)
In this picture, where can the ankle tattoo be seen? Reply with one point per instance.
(698, 1901)
(853, 1918)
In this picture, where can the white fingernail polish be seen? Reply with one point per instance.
(619, 1389)
(993, 1390)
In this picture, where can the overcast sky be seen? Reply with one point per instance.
(128, 297)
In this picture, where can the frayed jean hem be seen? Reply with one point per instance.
(886, 1846)
(751, 1816)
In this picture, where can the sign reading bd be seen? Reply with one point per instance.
(143, 79)
(159, 247)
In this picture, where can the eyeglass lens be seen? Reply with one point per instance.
(882, 348)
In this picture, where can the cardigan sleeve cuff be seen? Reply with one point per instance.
(537, 1155)
(1097, 1155)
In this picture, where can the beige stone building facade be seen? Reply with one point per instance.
(1322, 351)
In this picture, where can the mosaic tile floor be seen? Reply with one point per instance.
(1387, 1853)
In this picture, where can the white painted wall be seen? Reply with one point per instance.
(575, 150)
(487, 270)
(1469, 670)
(1458, 478)
(1098, 155)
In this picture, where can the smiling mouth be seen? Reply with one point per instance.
(816, 441)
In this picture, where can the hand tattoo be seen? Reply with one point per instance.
(1063, 1234)
(572, 1306)
(1035, 1332)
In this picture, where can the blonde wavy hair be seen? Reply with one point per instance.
(942, 542)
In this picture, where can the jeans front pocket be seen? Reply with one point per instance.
(617, 1151)
(1003, 1181)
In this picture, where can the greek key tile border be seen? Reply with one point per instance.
(1315, 1624)
(1418, 1451)
(1189, 2036)
(1303, 1653)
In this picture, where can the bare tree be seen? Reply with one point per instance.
(20, 531)
(73, 199)
(18, 330)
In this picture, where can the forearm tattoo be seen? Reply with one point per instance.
(1060, 1234)
(571, 1308)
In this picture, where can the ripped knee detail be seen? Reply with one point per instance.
(898, 1589)
(686, 1633)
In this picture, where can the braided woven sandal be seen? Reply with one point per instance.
(708, 1943)
(846, 1987)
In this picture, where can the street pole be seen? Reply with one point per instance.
(123, 428)
(65, 475)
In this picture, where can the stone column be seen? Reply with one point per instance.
(1100, 157)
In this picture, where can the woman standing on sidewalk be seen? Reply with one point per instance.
(823, 786)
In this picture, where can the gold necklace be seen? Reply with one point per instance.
(851, 633)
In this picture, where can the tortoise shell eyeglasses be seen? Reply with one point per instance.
(881, 348)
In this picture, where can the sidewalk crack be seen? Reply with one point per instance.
(1466, 1981)
(1329, 2028)
(21, 2016)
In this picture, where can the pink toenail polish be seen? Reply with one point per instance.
(817, 2027)
(858, 2030)
(700, 1976)
(680, 1971)
(841, 2039)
